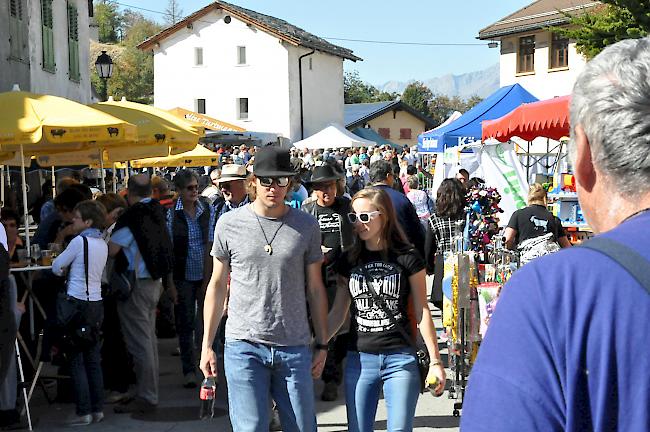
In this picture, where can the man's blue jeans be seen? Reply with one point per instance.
(365, 375)
(256, 372)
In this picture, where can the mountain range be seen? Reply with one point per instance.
(481, 83)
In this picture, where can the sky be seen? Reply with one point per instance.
(421, 21)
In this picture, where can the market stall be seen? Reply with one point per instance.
(333, 136)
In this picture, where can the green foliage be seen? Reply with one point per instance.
(108, 19)
(355, 90)
(133, 68)
(618, 20)
(441, 106)
(417, 95)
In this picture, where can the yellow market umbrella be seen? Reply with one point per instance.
(200, 156)
(39, 124)
(45, 123)
(155, 126)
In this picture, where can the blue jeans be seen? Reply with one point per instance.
(366, 373)
(255, 372)
(86, 372)
(188, 322)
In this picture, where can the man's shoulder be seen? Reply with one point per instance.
(300, 217)
(236, 214)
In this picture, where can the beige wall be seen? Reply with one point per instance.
(402, 119)
(544, 83)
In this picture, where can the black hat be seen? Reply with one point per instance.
(325, 173)
(272, 161)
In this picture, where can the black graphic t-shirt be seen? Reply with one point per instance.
(372, 330)
(534, 221)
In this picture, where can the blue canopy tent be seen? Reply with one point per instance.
(467, 128)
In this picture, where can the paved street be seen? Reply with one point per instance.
(179, 409)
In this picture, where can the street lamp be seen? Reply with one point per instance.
(104, 66)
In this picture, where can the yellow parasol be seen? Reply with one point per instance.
(200, 156)
(40, 124)
(156, 127)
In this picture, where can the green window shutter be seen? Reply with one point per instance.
(16, 24)
(48, 35)
(73, 43)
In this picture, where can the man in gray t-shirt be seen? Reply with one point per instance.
(273, 256)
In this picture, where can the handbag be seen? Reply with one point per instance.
(72, 317)
(422, 356)
(120, 284)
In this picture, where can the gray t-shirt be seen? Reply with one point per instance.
(268, 302)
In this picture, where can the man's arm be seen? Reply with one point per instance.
(317, 298)
(113, 249)
(215, 297)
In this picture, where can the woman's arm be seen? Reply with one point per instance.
(510, 235)
(64, 260)
(340, 308)
(427, 330)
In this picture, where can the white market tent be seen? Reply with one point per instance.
(333, 136)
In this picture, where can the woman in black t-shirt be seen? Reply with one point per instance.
(534, 221)
(379, 355)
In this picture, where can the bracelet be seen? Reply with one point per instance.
(435, 363)
(320, 346)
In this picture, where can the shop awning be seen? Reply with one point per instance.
(204, 120)
(467, 128)
(547, 118)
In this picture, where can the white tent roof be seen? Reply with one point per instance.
(333, 136)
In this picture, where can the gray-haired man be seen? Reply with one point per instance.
(567, 348)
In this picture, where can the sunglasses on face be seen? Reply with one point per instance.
(363, 217)
(192, 188)
(268, 181)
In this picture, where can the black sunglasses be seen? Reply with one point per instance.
(192, 187)
(268, 181)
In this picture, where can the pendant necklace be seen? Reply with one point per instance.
(268, 248)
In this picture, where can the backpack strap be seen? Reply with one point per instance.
(629, 259)
(85, 240)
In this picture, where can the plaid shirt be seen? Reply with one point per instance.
(195, 244)
(445, 231)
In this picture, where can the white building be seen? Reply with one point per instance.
(543, 62)
(249, 69)
(45, 47)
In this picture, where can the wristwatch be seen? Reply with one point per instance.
(320, 346)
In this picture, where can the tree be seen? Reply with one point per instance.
(173, 13)
(617, 20)
(418, 95)
(108, 19)
(133, 71)
(355, 90)
(441, 106)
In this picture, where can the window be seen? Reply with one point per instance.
(200, 106)
(310, 63)
(242, 108)
(47, 24)
(17, 27)
(405, 133)
(559, 51)
(384, 133)
(526, 55)
(241, 55)
(198, 56)
(73, 43)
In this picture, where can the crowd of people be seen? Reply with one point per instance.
(277, 265)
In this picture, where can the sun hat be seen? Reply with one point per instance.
(232, 172)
